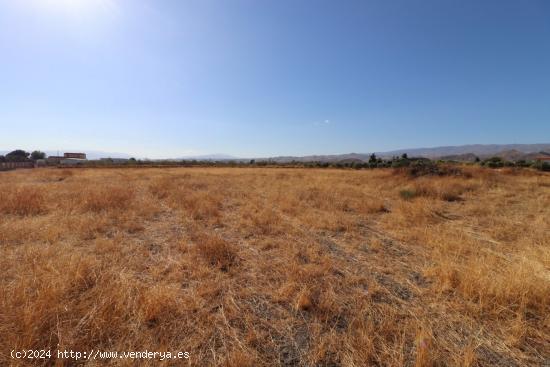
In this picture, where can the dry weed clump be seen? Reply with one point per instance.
(105, 198)
(159, 304)
(278, 267)
(478, 280)
(262, 221)
(446, 189)
(52, 176)
(216, 251)
(193, 199)
(423, 345)
(162, 187)
(202, 205)
(22, 201)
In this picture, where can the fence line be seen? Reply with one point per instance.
(14, 165)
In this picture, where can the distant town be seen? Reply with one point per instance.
(22, 159)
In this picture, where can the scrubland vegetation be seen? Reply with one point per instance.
(276, 266)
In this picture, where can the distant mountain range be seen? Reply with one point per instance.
(477, 149)
(460, 153)
(511, 152)
(210, 157)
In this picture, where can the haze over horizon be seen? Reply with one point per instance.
(249, 79)
(483, 150)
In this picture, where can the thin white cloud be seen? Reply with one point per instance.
(322, 123)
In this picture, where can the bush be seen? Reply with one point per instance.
(428, 168)
(541, 165)
(402, 162)
(421, 168)
(494, 162)
(522, 163)
(408, 194)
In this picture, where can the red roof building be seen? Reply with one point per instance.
(75, 155)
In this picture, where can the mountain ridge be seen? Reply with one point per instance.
(453, 152)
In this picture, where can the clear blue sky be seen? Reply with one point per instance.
(159, 78)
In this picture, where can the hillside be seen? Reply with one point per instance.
(461, 153)
(477, 149)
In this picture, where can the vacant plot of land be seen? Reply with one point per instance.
(262, 267)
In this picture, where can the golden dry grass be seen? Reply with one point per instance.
(278, 267)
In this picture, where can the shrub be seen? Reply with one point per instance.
(450, 196)
(540, 165)
(403, 162)
(522, 163)
(494, 162)
(421, 168)
(408, 194)
(427, 168)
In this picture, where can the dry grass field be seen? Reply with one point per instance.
(277, 267)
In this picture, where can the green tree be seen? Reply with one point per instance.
(17, 155)
(38, 155)
(541, 165)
